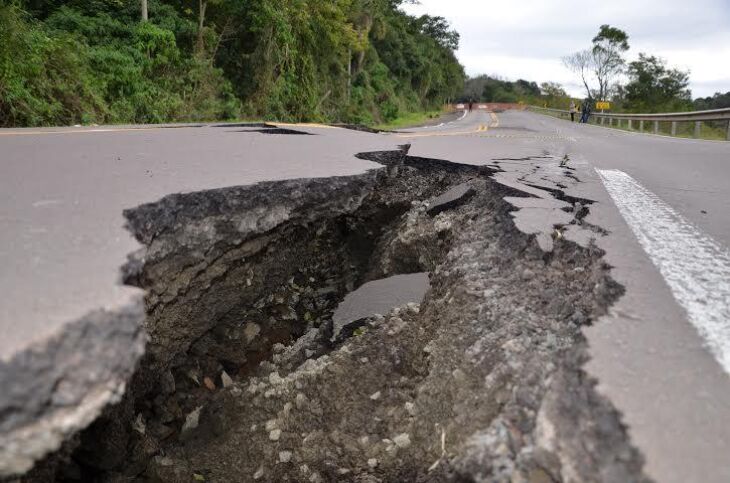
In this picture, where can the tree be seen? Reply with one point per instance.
(608, 48)
(654, 87)
(717, 101)
(200, 40)
(581, 63)
(602, 62)
(144, 10)
(526, 88)
(553, 90)
(438, 28)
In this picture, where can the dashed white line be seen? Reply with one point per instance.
(696, 267)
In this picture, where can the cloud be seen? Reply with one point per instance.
(527, 38)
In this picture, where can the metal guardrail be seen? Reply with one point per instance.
(698, 117)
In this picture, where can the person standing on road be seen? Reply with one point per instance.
(586, 110)
(573, 110)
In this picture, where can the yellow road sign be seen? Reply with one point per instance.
(603, 106)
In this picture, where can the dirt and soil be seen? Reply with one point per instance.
(242, 380)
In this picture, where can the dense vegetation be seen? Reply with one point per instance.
(718, 101)
(486, 88)
(96, 61)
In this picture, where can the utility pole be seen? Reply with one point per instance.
(144, 10)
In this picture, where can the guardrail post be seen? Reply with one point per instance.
(698, 117)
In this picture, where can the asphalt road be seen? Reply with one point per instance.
(651, 354)
(660, 355)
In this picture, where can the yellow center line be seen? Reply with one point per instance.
(305, 124)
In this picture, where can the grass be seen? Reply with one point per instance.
(711, 130)
(409, 120)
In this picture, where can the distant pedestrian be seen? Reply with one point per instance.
(471, 105)
(586, 109)
(573, 110)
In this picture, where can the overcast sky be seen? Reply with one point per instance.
(527, 38)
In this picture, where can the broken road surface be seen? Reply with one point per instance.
(574, 313)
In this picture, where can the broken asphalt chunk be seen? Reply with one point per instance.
(451, 199)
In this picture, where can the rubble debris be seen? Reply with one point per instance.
(448, 200)
(480, 379)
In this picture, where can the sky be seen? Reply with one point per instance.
(527, 38)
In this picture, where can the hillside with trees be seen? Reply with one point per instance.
(100, 61)
(486, 88)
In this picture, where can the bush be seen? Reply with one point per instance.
(100, 69)
(44, 80)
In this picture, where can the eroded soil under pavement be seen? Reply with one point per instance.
(241, 382)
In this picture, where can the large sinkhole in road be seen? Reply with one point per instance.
(470, 371)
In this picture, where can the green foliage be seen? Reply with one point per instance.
(552, 90)
(611, 39)
(43, 79)
(603, 62)
(718, 101)
(653, 87)
(342, 60)
(101, 65)
(70, 61)
(492, 89)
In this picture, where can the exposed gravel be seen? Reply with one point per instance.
(482, 381)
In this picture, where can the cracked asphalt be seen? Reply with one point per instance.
(62, 240)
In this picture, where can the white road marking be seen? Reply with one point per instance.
(456, 120)
(696, 267)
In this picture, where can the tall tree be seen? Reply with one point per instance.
(438, 28)
(581, 63)
(202, 16)
(654, 87)
(603, 62)
(608, 48)
(144, 10)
